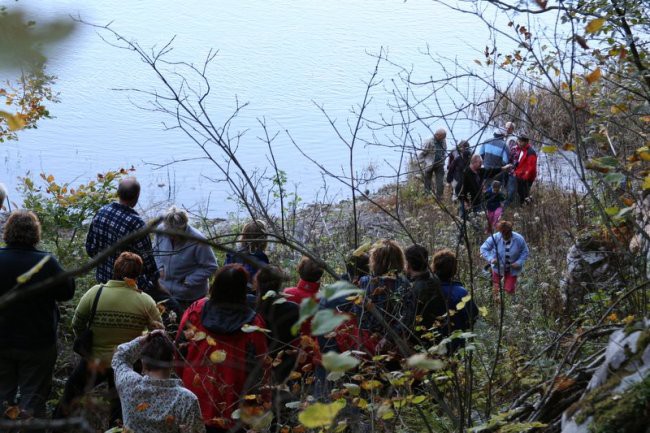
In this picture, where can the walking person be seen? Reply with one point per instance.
(434, 155)
(28, 327)
(506, 251)
(526, 168)
(185, 265)
(458, 161)
(494, 200)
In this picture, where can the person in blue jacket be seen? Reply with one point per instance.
(506, 252)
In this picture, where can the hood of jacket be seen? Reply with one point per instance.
(226, 318)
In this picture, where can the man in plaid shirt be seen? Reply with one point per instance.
(112, 223)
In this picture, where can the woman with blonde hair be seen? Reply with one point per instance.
(387, 290)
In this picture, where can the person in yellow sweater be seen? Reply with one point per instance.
(122, 313)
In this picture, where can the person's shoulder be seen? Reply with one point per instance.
(195, 232)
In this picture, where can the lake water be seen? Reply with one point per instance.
(280, 56)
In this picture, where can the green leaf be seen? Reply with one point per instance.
(326, 321)
(308, 307)
(340, 289)
(614, 178)
(21, 42)
(423, 362)
(612, 211)
(320, 414)
(333, 361)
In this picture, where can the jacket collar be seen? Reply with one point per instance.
(308, 286)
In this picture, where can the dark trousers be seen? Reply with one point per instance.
(82, 380)
(523, 190)
(26, 378)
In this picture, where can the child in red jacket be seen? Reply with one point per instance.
(310, 274)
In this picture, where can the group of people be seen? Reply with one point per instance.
(234, 339)
(507, 163)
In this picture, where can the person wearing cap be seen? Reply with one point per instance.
(495, 155)
(434, 155)
(525, 167)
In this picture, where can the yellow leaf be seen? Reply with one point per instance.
(645, 118)
(618, 108)
(320, 414)
(199, 336)
(483, 311)
(218, 356)
(569, 147)
(549, 149)
(593, 76)
(362, 404)
(371, 384)
(644, 153)
(594, 25)
(22, 279)
(211, 341)
(646, 182)
(628, 320)
(14, 121)
(460, 306)
(532, 100)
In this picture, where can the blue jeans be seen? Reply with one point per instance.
(511, 190)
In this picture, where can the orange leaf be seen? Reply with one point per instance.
(169, 420)
(142, 406)
(12, 412)
(593, 76)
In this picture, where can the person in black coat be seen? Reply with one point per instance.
(425, 291)
(28, 325)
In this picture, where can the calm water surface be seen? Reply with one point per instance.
(280, 56)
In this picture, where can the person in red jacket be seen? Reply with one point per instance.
(526, 167)
(310, 274)
(222, 354)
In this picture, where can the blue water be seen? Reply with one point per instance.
(282, 57)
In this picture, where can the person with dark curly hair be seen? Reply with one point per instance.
(153, 402)
(28, 326)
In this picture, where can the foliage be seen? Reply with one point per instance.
(63, 209)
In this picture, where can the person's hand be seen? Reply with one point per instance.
(515, 265)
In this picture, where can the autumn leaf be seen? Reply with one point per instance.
(14, 121)
(12, 412)
(582, 42)
(218, 356)
(569, 147)
(371, 384)
(142, 407)
(252, 328)
(199, 336)
(320, 414)
(549, 149)
(211, 341)
(594, 25)
(646, 182)
(593, 76)
(483, 311)
(169, 420)
(541, 3)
